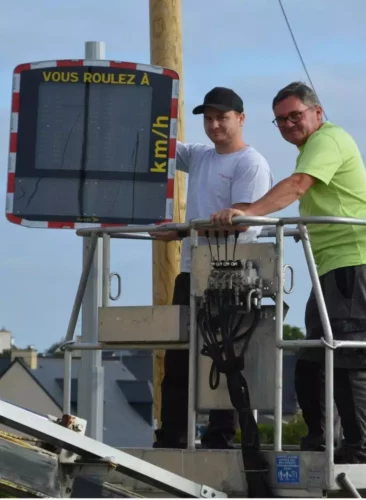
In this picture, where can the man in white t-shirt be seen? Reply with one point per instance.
(230, 173)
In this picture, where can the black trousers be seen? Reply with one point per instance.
(175, 390)
(349, 397)
(344, 291)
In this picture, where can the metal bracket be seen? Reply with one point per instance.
(292, 282)
(207, 492)
(119, 286)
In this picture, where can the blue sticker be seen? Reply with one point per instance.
(288, 469)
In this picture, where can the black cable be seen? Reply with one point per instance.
(214, 347)
(226, 235)
(214, 316)
(235, 243)
(207, 234)
(217, 244)
(298, 50)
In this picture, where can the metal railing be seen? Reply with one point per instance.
(273, 227)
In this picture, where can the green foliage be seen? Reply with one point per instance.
(292, 432)
(266, 432)
(292, 333)
(53, 350)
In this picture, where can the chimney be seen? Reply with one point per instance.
(28, 355)
(5, 340)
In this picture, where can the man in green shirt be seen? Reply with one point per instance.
(329, 179)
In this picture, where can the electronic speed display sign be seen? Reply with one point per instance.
(92, 142)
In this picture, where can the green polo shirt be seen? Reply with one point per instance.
(332, 156)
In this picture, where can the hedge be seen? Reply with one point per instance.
(292, 431)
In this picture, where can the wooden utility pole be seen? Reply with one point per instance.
(166, 50)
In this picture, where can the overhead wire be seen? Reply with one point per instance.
(299, 51)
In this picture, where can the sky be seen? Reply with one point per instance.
(241, 44)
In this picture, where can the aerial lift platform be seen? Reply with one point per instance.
(52, 455)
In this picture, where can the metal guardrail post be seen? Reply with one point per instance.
(329, 365)
(81, 288)
(193, 349)
(279, 334)
(67, 382)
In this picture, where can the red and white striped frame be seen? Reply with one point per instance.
(14, 137)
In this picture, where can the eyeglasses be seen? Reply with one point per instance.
(293, 117)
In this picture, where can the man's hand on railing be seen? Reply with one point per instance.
(170, 235)
(224, 217)
(165, 235)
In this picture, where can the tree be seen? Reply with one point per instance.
(54, 351)
(292, 333)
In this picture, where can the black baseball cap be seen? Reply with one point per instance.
(221, 98)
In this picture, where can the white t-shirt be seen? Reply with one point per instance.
(217, 181)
